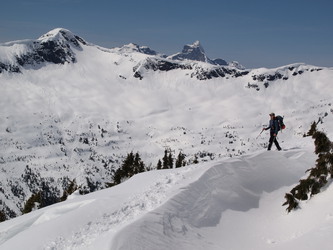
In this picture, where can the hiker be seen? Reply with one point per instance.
(274, 128)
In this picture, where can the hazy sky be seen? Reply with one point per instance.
(256, 33)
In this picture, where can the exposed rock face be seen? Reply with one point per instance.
(9, 68)
(199, 72)
(193, 52)
(54, 47)
(220, 61)
(57, 46)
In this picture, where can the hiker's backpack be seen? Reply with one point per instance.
(280, 122)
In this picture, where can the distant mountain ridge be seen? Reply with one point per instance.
(71, 110)
(59, 46)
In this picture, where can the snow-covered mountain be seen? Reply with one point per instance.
(72, 110)
(195, 52)
(55, 47)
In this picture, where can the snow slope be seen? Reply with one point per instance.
(225, 204)
(77, 115)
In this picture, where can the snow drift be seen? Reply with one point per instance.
(225, 204)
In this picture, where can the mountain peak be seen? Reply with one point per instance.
(193, 51)
(63, 35)
(195, 45)
(56, 34)
(132, 47)
(57, 46)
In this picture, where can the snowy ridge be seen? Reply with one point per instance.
(58, 46)
(60, 34)
(192, 218)
(203, 206)
(193, 52)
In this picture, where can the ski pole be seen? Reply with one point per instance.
(260, 134)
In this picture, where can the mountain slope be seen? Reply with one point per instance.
(78, 119)
(226, 204)
(58, 46)
(193, 52)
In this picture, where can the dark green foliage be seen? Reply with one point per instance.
(318, 184)
(180, 160)
(72, 187)
(167, 160)
(49, 194)
(170, 160)
(196, 161)
(330, 163)
(109, 184)
(131, 165)
(313, 129)
(300, 192)
(117, 176)
(322, 143)
(33, 202)
(318, 176)
(291, 202)
(159, 165)
(2, 216)
(45, 197)
(138, 165)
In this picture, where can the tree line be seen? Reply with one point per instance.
(131, 165)
(318, 175)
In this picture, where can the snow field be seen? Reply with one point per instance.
(206, 214)
(48, 110)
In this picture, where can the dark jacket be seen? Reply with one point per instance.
(273, 126)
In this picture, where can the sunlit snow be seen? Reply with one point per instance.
(232, 199)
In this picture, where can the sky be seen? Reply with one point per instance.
(258, 33)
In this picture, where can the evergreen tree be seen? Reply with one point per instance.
(159, 164)
(165, 160)
(2, 216)
(138, 165)
(117, 176)
(318, 176)
(72, 187)
(322, 143)
(180, 160)
(33, 202)
(313, 129)
(127, 165)
(291, 202)
(170, 160)
(131, 165)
